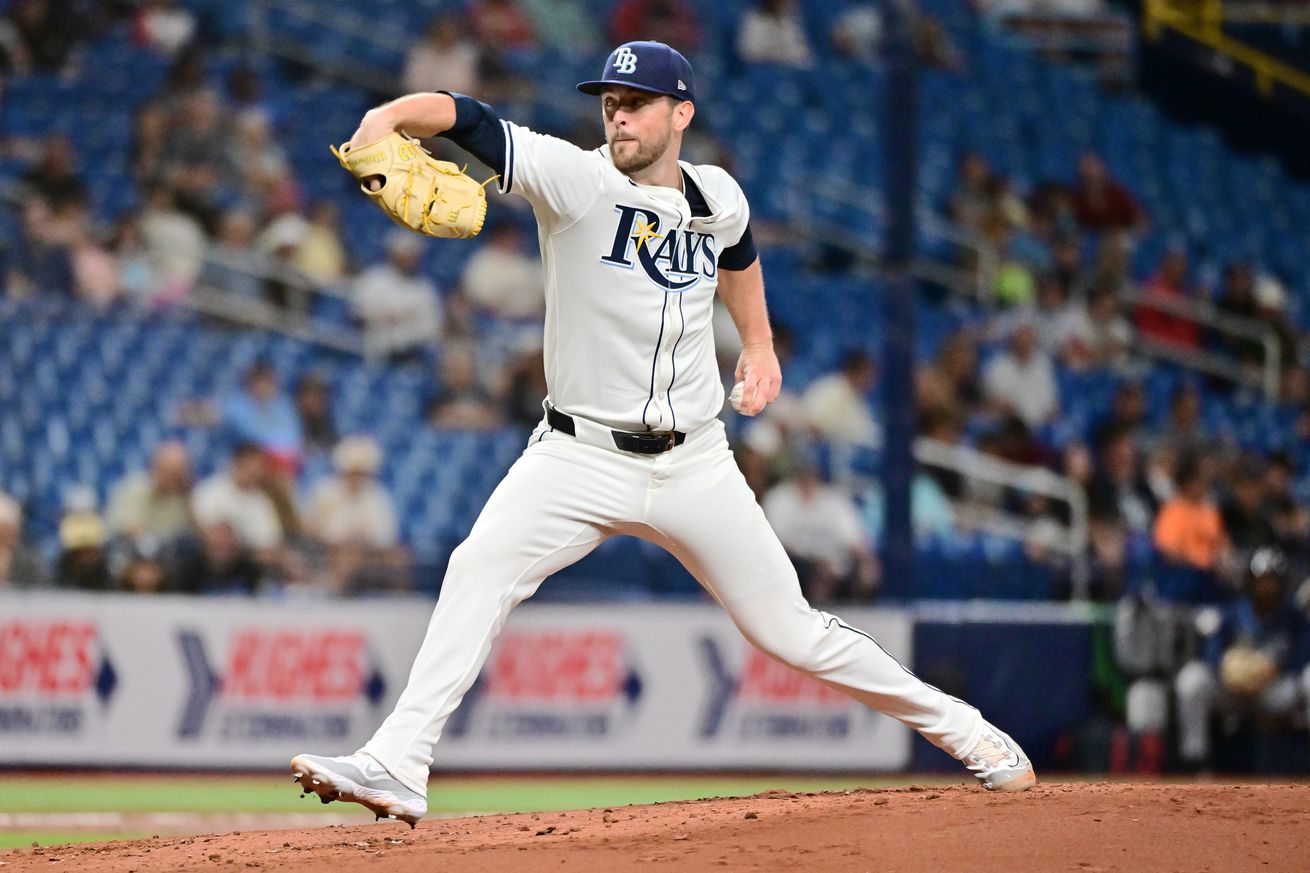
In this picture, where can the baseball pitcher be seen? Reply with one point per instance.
(634, 244)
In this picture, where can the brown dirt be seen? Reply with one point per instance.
(1084, 828)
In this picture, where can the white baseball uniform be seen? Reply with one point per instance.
(631, 272)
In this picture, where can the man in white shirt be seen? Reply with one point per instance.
(837, 405)
(1021, 380)
(504, 280)
(821, 531)
(353, 517)
(235, 497)
(635, 245)
(773, 32)
(400, 309)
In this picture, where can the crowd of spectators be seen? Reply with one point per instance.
(260, 523)
(218, 196)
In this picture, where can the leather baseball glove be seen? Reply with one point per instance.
(431, 197)
(1245, 671)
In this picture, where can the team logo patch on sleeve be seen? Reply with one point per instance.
(674, 260)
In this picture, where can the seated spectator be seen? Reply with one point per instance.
(1013, 283)
(821, 530)
(257, 161)
(461, 401)
(502, 25)
(235, 265)
(858, 32)
(444, 59)
(320, 255)
(220, 563)
(931, 513)
(200, 134)
(1111, 331)
(1118, 492)
(399, 308)
(20, 565)
(672, 22)
(1034, 244)
(1289, 516)
(261, 413)
(1101, 203)
(1245, 510)
(95, 271)
(314, 407)
(1266, 631)
(971, 203)
(280, 242)
(774, 444)
(1127, 415)
(152, 509)
(137, 279)
(956, 365)
(150, 130)
(37, 35)
(1271, 309)
(163, 26)
(1183, 433)
(83, 561)
(526, 389)
(1189, 529)
(55, 177)
(1237, 300)
(504, 280)
(1169, 286)
(773, 33)
(353, 518)
(837, 405)
(142, 574)
(176, 243)
(41, 263)
(1064, 328)
(235, 497)
(1021, 380)
(568, 27)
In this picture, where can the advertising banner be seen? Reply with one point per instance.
(163, 681)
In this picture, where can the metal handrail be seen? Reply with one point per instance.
(212, 298)
(1205, 314)
(1035, 480)
(1073, 540)
(1203, 23)
(930, 223)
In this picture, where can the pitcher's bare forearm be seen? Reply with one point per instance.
(418, 115)
(742, 292)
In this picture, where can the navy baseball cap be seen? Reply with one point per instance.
(646, 66)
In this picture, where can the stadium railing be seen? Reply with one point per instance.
(1070, 541)
(1202, 21)
(1267, 380)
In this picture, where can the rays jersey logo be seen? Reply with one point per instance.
(675, 260)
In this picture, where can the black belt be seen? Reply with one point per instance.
(652, 443)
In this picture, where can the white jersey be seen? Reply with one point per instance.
(630, 279)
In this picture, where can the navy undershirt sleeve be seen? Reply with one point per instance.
(741, 254)
(478, 131)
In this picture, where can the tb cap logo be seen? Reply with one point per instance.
(625, 61)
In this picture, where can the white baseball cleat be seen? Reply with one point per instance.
(999, 763)
(358, 779)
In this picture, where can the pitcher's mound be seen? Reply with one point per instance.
(1085, 828)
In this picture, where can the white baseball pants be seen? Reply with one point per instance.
(563, 497)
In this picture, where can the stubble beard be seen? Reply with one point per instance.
(646, 154)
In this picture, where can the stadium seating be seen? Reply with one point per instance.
(88, 394)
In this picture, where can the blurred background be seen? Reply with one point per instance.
(232, 395)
